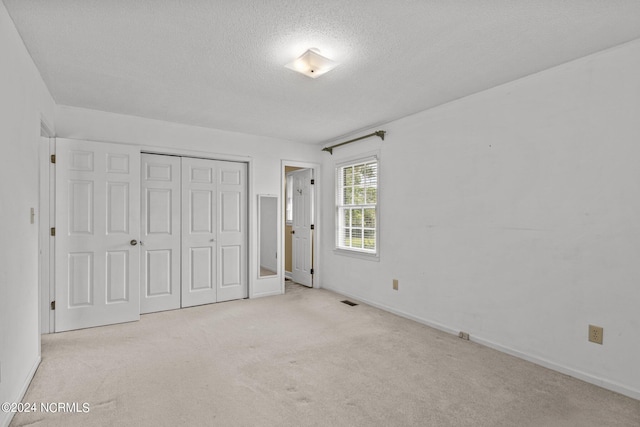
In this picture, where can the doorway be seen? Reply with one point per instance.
(299, 224)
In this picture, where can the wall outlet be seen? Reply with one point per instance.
(464, 335)
(596, 334)
(395, 284)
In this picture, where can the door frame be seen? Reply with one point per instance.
(251, 225)
(47, 204)
(316, 280)
(45, 216)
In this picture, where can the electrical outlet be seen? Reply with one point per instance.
(464, 336)
(596, 334)
(395, 284)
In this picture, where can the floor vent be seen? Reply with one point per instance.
(351, 303)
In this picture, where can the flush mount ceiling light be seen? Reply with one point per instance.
(312, 64)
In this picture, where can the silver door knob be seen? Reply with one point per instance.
(133, 242)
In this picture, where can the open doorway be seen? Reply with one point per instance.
(299, 223)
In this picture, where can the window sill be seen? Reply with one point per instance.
(356, 254)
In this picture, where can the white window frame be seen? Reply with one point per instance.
(340, 206)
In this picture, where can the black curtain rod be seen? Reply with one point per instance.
(379, 133)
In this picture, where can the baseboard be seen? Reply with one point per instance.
(288, 275)
(6, 417)
(267, 294)
(591, 379)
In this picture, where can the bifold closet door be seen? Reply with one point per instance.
(160, 240)
(232, 231)
(214, 217)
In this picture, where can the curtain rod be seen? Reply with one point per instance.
(379, 133)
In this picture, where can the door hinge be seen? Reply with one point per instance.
(53, 231)
(313, 181)
(313, 227)
(312, 271)
(53, 158)
(53, 305)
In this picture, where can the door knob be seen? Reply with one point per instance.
(133, 242)
(293, 231)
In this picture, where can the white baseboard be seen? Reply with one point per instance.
(6, 417)
(267, 294)
(592, 379)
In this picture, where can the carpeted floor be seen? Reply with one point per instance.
(302, 359)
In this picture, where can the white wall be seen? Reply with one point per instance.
(514, 215)
(265, 155)
(24, 99)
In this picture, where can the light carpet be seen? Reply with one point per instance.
(302, 359)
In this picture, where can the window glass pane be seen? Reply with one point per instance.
(346, 237)
(347, 176)
(372, 196)
(348, 196)
(369, 239)
(370, 174)
(358, 175)
(370, 218)
(358, 198)
(356, 238)
(345, 216)
(356, 217)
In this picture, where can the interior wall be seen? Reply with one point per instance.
(264, 153)
(24, 102)
(513, 215)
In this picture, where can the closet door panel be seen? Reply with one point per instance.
(160, 241)
(199, 233)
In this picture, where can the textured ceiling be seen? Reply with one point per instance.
(220, 64)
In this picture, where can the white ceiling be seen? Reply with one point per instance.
(220, 64)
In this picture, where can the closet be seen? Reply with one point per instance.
(193, 247)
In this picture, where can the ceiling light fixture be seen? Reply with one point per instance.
(312, 64)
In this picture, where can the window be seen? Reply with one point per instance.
(356, 206)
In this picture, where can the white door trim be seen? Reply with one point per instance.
(317, 213)
(252, 257)
(45, 216)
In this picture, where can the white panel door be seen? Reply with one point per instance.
(214, 231)
(232, 230)
(301, 228)
(97, 271)
(199, 232)
(160, 241)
